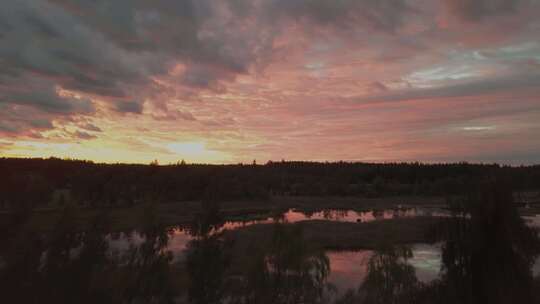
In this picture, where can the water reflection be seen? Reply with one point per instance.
(288, 269)
(348, 269)
(487, 253)
(293, 216)
(74, 266)
(390, 278)
(426, 259)
(180, 236)
(483, 253)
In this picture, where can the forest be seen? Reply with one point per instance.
(34, 183)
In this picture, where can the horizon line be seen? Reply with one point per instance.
(255, 162)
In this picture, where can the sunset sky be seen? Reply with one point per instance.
(226, 81)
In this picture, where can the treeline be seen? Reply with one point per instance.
(38, 182)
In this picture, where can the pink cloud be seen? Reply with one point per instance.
(271, 79)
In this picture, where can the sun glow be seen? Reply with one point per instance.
(187, 148)
(97, 150)
(194, 151)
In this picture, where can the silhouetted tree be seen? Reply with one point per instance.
(390, 279)
(286, 271)
(206, 259)
(487, 250)
(148, 264)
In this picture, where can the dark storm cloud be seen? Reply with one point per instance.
(97, 46)
(383, 14)
(129, 107)
(37, 93)
(205, 76)
(49, 102)
(192, 31)
(111, 49)
(21, 120)
(102, 48)
(44, 44)
(139, 25)
(41, 124)
(32, 103)
(475, 10)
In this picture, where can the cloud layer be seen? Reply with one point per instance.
(269, 79)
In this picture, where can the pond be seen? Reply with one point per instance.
(348, 268)
(198, 253)
(179, 237)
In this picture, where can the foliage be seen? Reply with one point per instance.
(32, 182)
(73, 264)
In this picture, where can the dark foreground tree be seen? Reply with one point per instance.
(487, 250)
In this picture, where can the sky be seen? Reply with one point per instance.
(236, 80)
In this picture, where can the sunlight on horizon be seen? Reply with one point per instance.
(170, 153)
